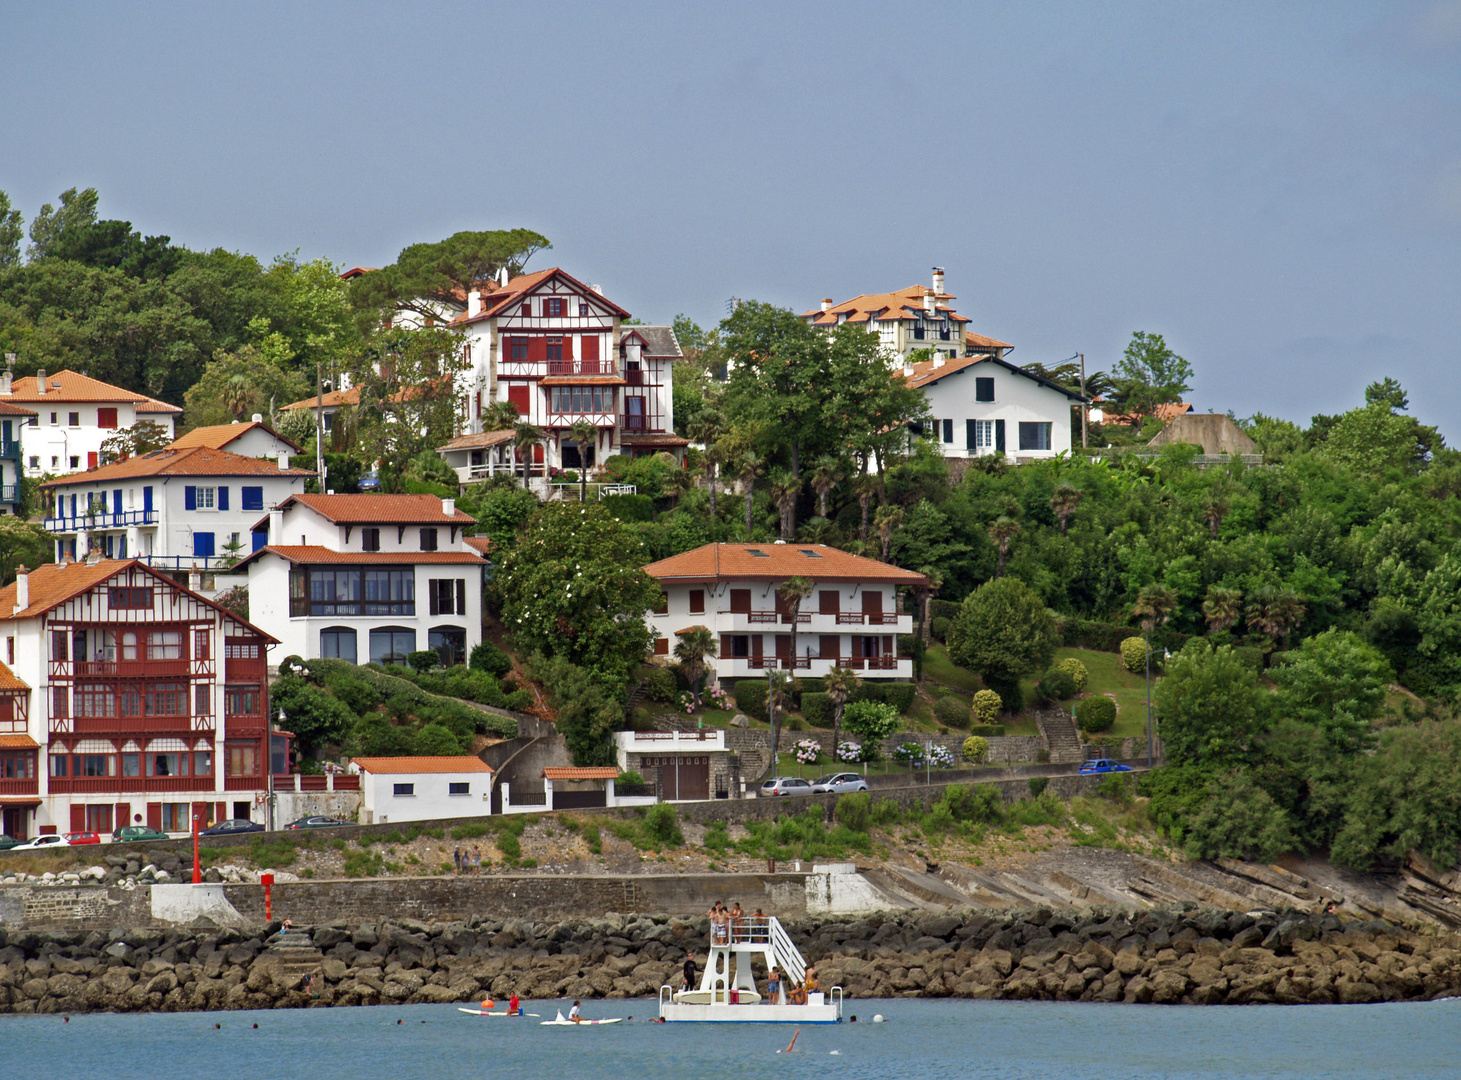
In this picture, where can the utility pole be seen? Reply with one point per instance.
(1085, 406)
(320, 428)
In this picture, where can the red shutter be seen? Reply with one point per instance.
(588, 349)
(697, 601)
(203, 812)
(537, 350)
(662, 646)
(741, 601)
(154, 815)
(520, 394)
(124, 814)
(91, 459)
(829, 602)
(222, 812)
(756, 646)
(78, 817)
(783, 646)
(828, 646)
(872, 603)
(106, 418)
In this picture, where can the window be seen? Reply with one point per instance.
(205, 498)
(175, 817)
(60, 707)
(338, 643)
(391, 644)
(97, 765)
(17, 767)
(448, 596)
(369, 539)
(983, 434)
(458, 789)
(202, 699)
(518, 347)
(129, 640)
(129, 701)
(697, 601)
(241, 700)
(201, 642)
(449, 643)
(253, 498)
(99, 818)
(583, 399)
(53, 418)
(984, 389)
(131, 764)
(106, 418)
(203, 763)
(321, 591)
(554, 307)
(73, 419)
(58, 763)
(167, 764)
(243, 760)
(390, 592)
(75, 461)
(555, 350)
(167, 699)
(403, 791)
(428, 539)
(59, 641)
(1034, 435)
(165, 645)
(582, 310)
(95, 700)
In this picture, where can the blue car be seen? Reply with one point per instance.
(1103, 765)
(370, 481)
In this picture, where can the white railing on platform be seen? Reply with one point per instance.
(788, 957)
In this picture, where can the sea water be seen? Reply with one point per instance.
(935, 1039)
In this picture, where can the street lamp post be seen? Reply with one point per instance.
(1149, 754)
(269, 765)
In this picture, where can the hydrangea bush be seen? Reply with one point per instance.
(849, 752)
(807, 751)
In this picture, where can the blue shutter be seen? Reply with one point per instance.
(253, 498)
(190, 498)
(202, 544)
(999, 436)
(261, 539)
(223, 498)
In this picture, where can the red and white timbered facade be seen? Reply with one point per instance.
(145, 702)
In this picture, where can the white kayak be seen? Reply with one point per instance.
(563, 1021)
(483, 1012)
(715, 997)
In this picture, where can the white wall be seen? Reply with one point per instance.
(55, 444)
(1016, 398)
(429, 800)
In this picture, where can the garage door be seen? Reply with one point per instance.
(683, 776)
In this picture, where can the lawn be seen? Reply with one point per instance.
(937, 667)
(1105, 674)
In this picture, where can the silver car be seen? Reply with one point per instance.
(839, 783)
(785, 785)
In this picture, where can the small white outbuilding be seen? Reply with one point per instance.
(422, 788)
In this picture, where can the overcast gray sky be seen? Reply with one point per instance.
(1275, 187)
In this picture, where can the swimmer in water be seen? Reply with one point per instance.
(792, 1044)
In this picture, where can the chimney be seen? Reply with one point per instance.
(928, 303)
(502, 277)
(22, 589)
(276, 527)
(41, 381)
(907, 371)
(258, 418)
(449, 507)
(938, 280)
(195, 579)
(93, 557)
(827, 303)
(938, 360)
(474, 303)
(598, 289)
(6, 380)
(283, 462)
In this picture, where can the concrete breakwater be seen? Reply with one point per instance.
(1200, 956)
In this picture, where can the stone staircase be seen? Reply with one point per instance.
(1061, 736)
(293, 955)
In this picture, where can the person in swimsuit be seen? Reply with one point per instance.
(573, 1013)
(689, 983)
(736, 916)
(773, 987)
(514, 1006)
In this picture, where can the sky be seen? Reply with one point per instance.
(1274, 187)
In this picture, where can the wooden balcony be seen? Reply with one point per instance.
(582, 367)
(20, 787)
(130, 669)
(106, 785)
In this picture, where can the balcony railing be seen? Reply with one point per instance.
(103, 785)
(20, 787)
(187, 562)
(120, 669)
(316, 782)
(10, 448)
(9, 493)
(787, 663)
(581, 367)
(102, 519)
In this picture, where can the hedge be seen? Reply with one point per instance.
(750, 695)
(939, 627)
(402, 684)
(629, 507)
(986, 730)
(1107, 637)
(816, 708)
(942, 609)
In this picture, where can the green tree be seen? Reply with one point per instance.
(1336, 682)
(1405, 798)
(143, 437)
(22, 544)
(839, 684)
(696, 645)
(1438, 621)
(749, 466)
(572, 587)
(235, 385)
(872, 722)
(585, 435)
(1210, 707)
(1064, 502)
(1002, 531)
(1235, 818)
(317, 718)
(55, 225)
(436, 740)
(792, 592)
(1222, 608)
(589, 710)
(1150, 374)
(1375, 440)
(11, 230)
(1003, 631)
(410, 397)
(526, 438)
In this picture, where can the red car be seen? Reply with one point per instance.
(74, 838)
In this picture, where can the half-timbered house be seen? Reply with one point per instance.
(127, 699)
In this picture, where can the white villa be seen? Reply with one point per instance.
(254, 439)
(367, 578)
(422, 788)
(986, 405)
(75, 414)
(851, 620)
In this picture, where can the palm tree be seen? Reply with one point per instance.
(677, 483)
(1066, 498)
(1004, 529)
(750, 466)
(525, 436)
(1222, 608)
(499, 416)
(888, 518)
(839, 684)
(827, 473)
(818, 530)
(583, 433)
(866, 487)
(777, 691)
(792, 592)
(706, 429)
(1275, 612)
(1214, 508)
(695, 647)
(925, 595)
(785, 487)
(1154, 606)
(237, 392)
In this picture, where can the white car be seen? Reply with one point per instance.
(42, 842)
(839, 783)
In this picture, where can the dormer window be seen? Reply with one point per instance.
(758, 553)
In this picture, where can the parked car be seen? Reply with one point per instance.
(317, 822)
(370, 481)
(131, 834)
(1103, 765)
(74, 838)
(839, 783)
(231, 827)
(40, 842)
(8, 842)
(785, 785)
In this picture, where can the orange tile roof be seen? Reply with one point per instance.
(18, 742)
(777, 562)
(9, 409)
(334, 399)
(890, 306)
(496, 302)
(218, 436)
(931, 371)
(581, 772)
(1165, 412)
(171, 461)
(54, 583)
(9, 680)
(480, 543)
(74, 386)
(480, 441)
(370, 509)
(317, 553)
(979, 342)
(463, 764)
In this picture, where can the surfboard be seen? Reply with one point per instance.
(479, 1012)
(563, 1021)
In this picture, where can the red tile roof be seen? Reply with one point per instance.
(480, 441)
(1165, 412)
(380, 509)
(68, 386)
(172, 461)
(218, 436)
(10, 409)
(480, 543)
(333, 400)
(931, 371)
(18, 742)
(890, 306)
(581, 772)
(496, 302)
(777, 562)
(317, 553)
(980, 343)
(463, 764)
(9, 680)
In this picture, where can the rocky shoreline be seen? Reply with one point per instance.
(1199, 956)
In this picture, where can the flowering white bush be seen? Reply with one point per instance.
(912, 753)
(807, 751)
(941, 756)
(849, 751)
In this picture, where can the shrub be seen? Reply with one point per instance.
(660, 685)
(986, 707)
(750, 695)
(423, 660)
(489, 658)
(942, 609)
(1133, 654)
(1095, 714)
(854, 811)
(358, 694)
(898, 695)
(987, 730)
(870, 719)
(1056, 685)
(437, 740)
(979, 804)
(807, 751)
(975, 748)
(1038, 784)
(662, 826)
(849, 752)
(1076, 670)
(951, 711)
(908, 752)
(939, 627)
(1011, 692)
(630, 783)
(629, 507)
(817, 709)
(1250, 656)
